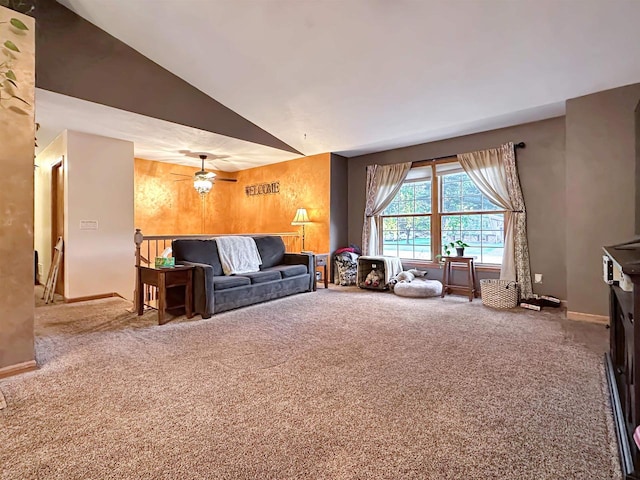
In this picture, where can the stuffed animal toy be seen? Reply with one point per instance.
(418, 273)
(373, 279)
(406, 277)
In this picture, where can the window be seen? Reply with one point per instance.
(406, 222)
(414, 226)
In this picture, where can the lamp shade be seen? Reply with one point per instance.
(301, 217)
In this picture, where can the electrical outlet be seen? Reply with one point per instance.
(538, 278)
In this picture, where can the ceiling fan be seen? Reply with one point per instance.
(203, 180)
(218, 161)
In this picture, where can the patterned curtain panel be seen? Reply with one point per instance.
(519, 219)
(383, 182)
(495, 174)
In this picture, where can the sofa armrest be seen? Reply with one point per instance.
(203, 298)
(303, 259)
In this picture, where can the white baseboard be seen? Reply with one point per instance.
(588, 317)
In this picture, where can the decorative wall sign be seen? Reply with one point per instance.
(262, 188)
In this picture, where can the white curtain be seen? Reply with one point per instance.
(383, 182)
(495, 174)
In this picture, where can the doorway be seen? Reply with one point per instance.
(57, 216)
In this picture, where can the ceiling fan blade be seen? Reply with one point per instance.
(226, 179)
(180, 174)
(182, 180)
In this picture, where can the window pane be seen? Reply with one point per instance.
(423, 190)
(413, 197)
(405, 207)
(407, 237)
(484, 233)
(452, 204)
(451, 223)
(406, 189)
(493, 221)
(450, 189)
(487, 205)
(423, 206)
(468, 187)
(471, 222)
(472, 203)
(460, 194)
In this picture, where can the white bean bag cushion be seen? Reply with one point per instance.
(419, 288)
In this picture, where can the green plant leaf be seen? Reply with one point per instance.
(18, 24)
(24, 101)
(11, 46)
(11, 75)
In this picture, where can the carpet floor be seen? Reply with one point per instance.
(339, 384)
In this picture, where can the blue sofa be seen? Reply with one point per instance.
(280, 274)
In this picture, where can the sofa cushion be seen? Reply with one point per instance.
(262, 277)
(271, 250)
(222, 282)
(197, 251)
(289, 270)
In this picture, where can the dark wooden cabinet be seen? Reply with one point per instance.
(624, 352)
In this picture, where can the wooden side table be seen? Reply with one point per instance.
(164, 278)
(322, 260)
(470, 287)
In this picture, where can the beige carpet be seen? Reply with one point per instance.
(38, 294)
(337, 384)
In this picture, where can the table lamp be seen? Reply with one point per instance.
(301, 218)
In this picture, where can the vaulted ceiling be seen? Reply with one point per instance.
(360, 76)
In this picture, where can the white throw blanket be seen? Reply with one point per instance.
(392, 266)
(238, 255)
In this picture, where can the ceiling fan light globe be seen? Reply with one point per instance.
(202, 184)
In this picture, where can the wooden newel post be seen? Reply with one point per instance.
(138, 237)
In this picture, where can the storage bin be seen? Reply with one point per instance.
(499, 293)
(345, 268)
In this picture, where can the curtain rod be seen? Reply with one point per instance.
(515, 145)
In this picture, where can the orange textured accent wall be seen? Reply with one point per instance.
(304, 183)
(166, 207)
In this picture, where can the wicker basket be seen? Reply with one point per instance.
(499, 293)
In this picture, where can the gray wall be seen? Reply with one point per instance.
(338, 213)
(600, 163)
(76, 58)
(542, 176)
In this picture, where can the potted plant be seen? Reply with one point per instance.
(459, 245)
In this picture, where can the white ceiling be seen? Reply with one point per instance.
(359, 76)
